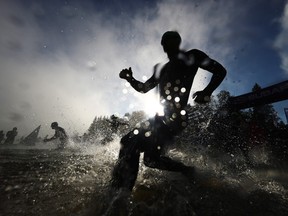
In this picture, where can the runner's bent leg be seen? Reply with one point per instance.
(154, 159)
(153, 155)
(125, 171)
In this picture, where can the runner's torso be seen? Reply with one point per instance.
(60, 133)
(175, 82)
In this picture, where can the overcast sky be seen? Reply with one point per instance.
(60, 60)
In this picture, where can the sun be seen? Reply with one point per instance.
(152, 106)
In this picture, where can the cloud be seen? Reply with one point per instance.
(16, 117)
(281, 42)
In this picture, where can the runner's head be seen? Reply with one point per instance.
(54, 125)
(171, 41)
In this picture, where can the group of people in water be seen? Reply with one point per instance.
(60, 134)
(173, 82)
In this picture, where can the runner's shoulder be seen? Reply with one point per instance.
(196, 53)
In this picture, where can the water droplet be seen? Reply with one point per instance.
(147, 123)
(183, 112)
(148, 134)
(8, 188)
(183, 90)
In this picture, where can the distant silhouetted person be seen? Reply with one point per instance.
(2, 136)
(59, 134)
(10, 136)
(115, 123)
(173, 81)
(84, 138)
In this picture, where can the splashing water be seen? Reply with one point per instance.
(42, 181)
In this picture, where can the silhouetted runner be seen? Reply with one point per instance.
(115, 123)
(10, 136)
(174, 81)
(59, 134)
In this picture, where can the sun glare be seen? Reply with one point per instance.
(152, 106)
